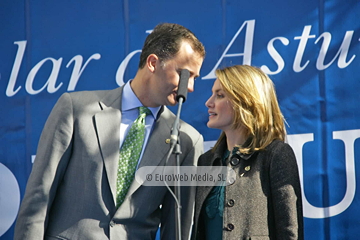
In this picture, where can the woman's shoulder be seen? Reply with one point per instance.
(279, 150)
(208, 153)
(206, 158)
(278, 145)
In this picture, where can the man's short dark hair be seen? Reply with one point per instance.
(165, 41)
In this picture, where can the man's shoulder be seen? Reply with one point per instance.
(81, 98)
(185, 128)
(92, 94)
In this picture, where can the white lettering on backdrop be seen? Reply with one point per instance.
(51, 82)
(248, 26)
(348, 137)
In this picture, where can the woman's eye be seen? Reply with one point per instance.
(219, 96)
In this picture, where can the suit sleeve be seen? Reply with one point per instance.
(53, 153)
(286, 193)
(168, 225)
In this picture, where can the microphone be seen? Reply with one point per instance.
(180, 97)
(183, 85)
(175, 145)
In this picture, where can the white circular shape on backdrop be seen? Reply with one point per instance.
(9, 198)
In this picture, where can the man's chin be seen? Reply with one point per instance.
(172, 104)
(171, 101)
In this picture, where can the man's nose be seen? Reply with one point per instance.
(191, 85)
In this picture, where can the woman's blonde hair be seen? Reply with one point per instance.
(256, 109)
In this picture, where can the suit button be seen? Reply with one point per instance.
(112, 223)
(231, 203)
(230, 227)
(234, 161)
(230, 180)
(247, 168)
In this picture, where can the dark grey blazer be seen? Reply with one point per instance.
(72, 188)
(264, 202)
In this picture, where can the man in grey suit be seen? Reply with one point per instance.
(71, 192)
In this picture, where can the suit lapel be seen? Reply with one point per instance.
(108, 130)
(208, 159)
(156, 149)
(107, 127)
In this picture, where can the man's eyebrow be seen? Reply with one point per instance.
(191, 73)
(195, 75)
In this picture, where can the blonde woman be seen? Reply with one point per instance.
(264, 202)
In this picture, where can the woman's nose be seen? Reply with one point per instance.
(209, 103)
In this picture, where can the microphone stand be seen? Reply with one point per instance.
(176, 149)
(175, 141)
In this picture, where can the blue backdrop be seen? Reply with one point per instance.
(309, 48)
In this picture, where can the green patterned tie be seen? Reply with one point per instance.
(129, 155)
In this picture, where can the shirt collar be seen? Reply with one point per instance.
(130, 101)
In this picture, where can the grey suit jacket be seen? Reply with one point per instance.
(71, 190)
(264, 202)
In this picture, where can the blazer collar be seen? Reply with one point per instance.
(222, 147)
(217, 153)
(107, 126)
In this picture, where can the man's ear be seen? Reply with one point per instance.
(151, 61)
